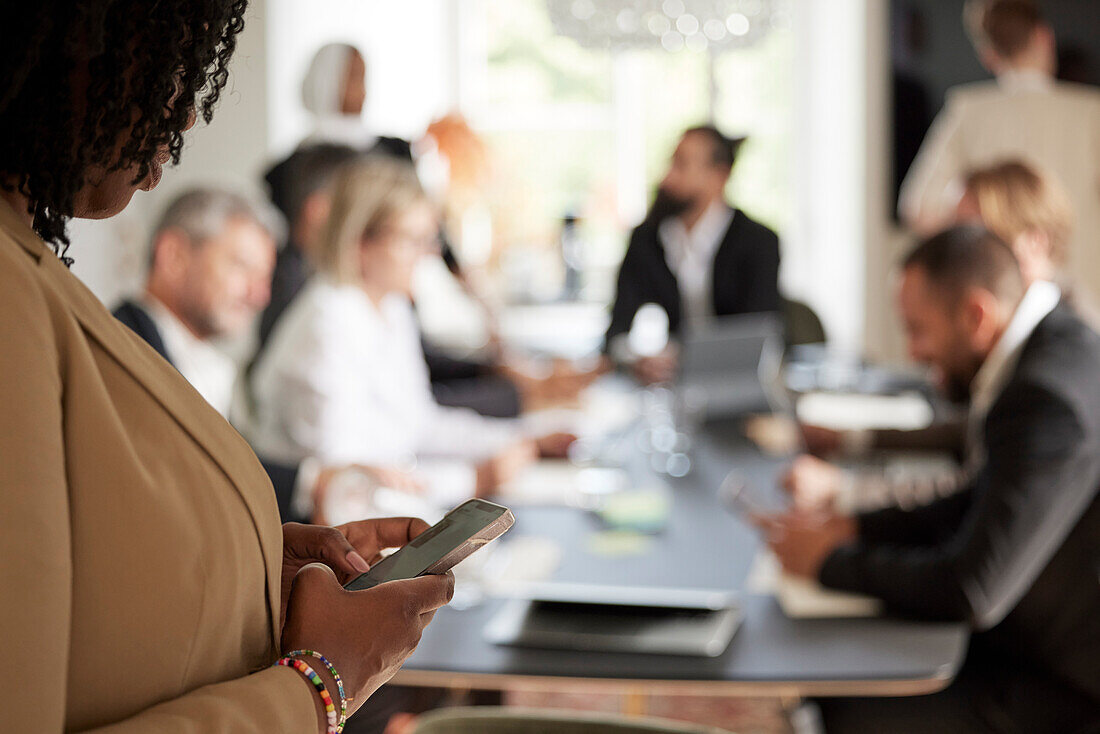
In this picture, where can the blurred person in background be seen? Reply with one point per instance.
(1026, 115)
(1030, 211)
(334, 92)
(210, 268)
(299, 188)
(695, 256)
(343, 377)
(1015, 553)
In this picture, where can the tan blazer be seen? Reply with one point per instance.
(140, 545)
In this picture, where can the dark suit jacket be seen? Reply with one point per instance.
(291, 272)
(745, 275)
(1017, 553)
(283, 477)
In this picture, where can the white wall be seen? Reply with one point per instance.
(110, 255)
(885, 242)
(824, 260)
(409, 46)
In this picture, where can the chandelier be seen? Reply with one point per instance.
(696, 25)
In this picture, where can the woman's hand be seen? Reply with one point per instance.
(344, 549)
(372, 478)
(504, 467)
(368, 634)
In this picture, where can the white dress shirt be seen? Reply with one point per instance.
(871, 490)
(690, 256)
(209, 370)
(344, 380)
(1041, 298)
(1024, 115)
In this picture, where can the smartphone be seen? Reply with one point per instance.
(438, 549)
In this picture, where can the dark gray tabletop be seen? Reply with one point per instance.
(703, 546)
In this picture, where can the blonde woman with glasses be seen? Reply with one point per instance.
(344, 376)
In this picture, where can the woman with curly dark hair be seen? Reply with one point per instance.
(145, 582)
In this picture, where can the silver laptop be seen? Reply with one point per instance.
(733, 367)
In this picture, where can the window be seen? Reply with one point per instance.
(574, 130)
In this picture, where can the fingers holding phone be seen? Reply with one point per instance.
(370, 626)
(371, 537)
(366, 634)
(462, 531)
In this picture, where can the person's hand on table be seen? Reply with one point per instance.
(368, 634)
(802, 541)
(566, 381)
(504, 467)
(555, 445)
(658, 367)
(563, 383)
(379, 476)
(813, 484)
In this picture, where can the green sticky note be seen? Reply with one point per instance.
(643, 511)
(619, 543)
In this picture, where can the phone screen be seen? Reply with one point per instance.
(456, 527)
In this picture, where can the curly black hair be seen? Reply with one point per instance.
(147, 63)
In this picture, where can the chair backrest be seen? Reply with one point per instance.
(508, 720)
(801, 324)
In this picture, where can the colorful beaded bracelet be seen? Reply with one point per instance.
(311, 675)
(339, 682)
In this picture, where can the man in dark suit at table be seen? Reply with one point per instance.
(210, 271)
(1016, 553)
(694, 255)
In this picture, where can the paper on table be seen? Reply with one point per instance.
(602, 410)
(559, 482)
(519, 562)
(801, 598)
(855, 412)
(353, 496)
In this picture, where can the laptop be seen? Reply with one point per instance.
(733, 367)
(593, 618)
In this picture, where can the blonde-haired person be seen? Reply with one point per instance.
(1030, 210)
(344, 375)
(1025, 113)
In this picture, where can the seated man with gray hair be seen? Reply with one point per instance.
(210, 265)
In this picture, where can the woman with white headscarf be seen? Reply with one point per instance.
(334, 91)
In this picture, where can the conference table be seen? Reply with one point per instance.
(703, 546)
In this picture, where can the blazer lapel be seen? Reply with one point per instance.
(172, 391)
(664, 281)
(723, 284)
